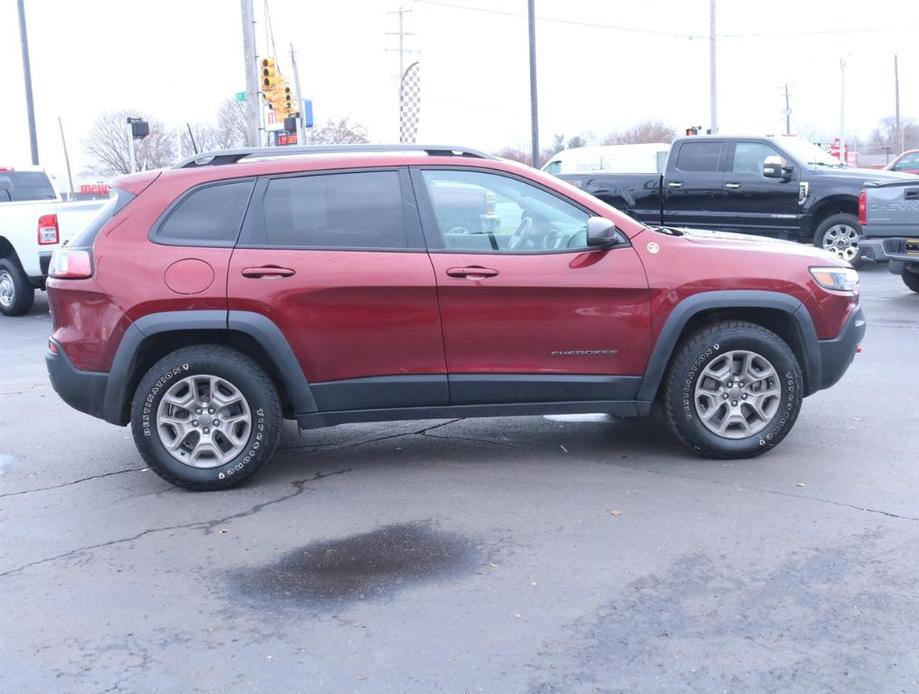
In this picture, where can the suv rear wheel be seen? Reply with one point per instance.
(16, 293)
(206, 417)
(733, 390)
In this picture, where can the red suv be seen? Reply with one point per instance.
(350, 284)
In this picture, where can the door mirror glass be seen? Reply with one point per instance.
(776, 167)
(602, 232)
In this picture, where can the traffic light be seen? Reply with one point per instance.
(270, 76)
(289, 107)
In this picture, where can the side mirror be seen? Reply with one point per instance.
(602, 232)
(776, 167)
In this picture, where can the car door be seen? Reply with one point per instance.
(693, 187)
(337, 261)
(529, 312)
(755, 204)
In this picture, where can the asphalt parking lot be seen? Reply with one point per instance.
(507, 555)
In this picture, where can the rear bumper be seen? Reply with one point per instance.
(837, 354)
(82, 390)
(872, 249)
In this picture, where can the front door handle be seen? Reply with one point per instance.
(675, 184)
(473, 272)
(267, 271)
(732, 186)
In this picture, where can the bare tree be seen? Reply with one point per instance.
(232, 127)
(645, 132)
(516, 154)
(885, 134)
(337, 132)
(107, 145)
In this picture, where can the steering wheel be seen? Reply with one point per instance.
(520, 233)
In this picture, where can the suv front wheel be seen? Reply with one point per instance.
(733, 390)
(206, 417)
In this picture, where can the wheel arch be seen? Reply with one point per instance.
(155, 335)
(783, 314)
(832, 205)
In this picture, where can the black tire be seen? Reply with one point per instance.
(703, 348)
(242, 373)
(23, 295)
(844, 219)
(911, 279)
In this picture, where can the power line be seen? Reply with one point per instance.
(559, 20)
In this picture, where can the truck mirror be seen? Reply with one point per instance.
(776, 167)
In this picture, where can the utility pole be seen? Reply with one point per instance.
(896, 82)
(534, 103)
(842, 107)
(713, 80)
(66, 155)
(131, 163)
(301, 124)
(787, 111)
(27, 75)
(252, 74)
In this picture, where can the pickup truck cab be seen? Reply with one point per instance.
(890, 217)
(33, 222)
(782, 187)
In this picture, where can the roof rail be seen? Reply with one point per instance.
(232, 156)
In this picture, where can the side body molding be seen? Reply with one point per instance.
(257, 326)
(731, 299)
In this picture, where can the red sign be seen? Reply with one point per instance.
(95, 189)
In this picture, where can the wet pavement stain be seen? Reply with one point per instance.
(370, 565)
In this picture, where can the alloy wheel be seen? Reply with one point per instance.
(842, 240)
(738, 394)
(204, 421)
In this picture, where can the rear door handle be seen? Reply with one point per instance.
(732, 186)
(473, 272)
(675, 184)
(268, 271)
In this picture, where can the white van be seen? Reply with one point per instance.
(644, 158)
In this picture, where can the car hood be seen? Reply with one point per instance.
(757, 244)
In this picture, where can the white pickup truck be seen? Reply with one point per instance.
(33, 222)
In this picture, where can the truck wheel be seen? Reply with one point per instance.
(16, 293)
(839, 235)
(911, 279)
(733, 390)
(206, 417)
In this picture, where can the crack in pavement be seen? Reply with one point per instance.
(207, 526)
(69, 484)
(841, 504)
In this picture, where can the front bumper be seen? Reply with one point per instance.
(837, 354)
(82, 390)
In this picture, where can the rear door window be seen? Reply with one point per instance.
(698, 156)
(350, 210)
(207, 216)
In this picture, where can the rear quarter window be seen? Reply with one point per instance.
(115, 204)
(698, 156)
(210, 215)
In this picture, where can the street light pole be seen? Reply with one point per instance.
(27, 75)
(534, 109)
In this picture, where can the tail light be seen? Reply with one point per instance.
(48, 232)
(71, 264)
(863, 207)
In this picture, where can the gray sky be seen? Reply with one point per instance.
(177, 60)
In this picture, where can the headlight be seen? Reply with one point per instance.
(838, 279)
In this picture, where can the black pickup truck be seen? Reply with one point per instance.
(783, 187)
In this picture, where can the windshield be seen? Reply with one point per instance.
(806, 152)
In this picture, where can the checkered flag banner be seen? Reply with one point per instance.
(409, 104)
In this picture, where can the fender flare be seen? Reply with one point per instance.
(732, 299)
(260, 328)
